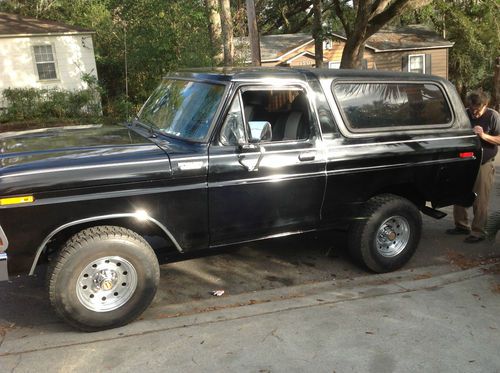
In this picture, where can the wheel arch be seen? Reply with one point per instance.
(138, 222)
(408, 191)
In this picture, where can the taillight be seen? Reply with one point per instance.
(466, 155)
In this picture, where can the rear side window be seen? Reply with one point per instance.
(388, 106)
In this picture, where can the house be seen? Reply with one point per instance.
(36, 53)
(411, 48)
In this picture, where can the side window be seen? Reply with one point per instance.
(287, 110)
(385, 106)
(326, 121)
(233, 129)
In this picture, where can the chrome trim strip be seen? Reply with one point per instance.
(98, 218)
(266, 179)
(400, 142)
(4, 271)
(271, 236)
(78, 168)
(188, 158)
(5, 240)
(114, 194)
(268, 152)
(396, 165)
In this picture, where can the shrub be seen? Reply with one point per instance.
(43, 104)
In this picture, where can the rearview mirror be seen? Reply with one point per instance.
(260, 131)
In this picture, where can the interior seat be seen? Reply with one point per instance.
(294, 124)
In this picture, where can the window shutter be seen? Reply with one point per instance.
(428, 64)
(364, 64)
(404, 63)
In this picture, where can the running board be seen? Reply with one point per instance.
(433, 213)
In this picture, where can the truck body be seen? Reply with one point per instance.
(221, 158)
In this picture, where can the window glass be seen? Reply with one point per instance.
(326, 121)
(233, 130)
(45, 63)
(371, 106)
(287, 110)
(416, 64)
(182, 108)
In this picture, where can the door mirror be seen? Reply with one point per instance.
(260, 131)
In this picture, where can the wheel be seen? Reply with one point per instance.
(103, 277)
(388, 233)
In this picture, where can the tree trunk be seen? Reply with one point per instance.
(496, 85)
(227, 31)
(253, 33)
(352, 56)
(371, 16)
(215, 30)
(318, 33)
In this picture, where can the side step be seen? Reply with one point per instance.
(433, 213)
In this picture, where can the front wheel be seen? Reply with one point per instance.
(388, 233)
(103, 277)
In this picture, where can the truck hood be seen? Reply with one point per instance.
(76, 157)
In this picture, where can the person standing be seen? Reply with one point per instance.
(486, 125)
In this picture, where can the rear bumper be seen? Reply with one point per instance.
(4, 273)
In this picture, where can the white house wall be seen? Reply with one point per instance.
(74, 56)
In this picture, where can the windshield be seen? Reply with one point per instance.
(182, 108)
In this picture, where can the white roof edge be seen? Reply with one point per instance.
(294, 49)
(413, 48)
(376, 50)
(70, 33)
(299, 55)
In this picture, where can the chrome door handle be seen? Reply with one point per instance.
(307, 156)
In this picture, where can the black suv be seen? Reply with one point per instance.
(219, 158)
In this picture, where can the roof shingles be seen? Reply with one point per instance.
(13, 24)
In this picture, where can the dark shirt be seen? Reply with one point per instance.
(490, 121)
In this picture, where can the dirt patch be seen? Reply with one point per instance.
(464, 262)
(496, 289)
(493, 270)
(422, 276)
(461, 260)
(4, 328)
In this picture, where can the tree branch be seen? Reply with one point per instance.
(342, 17)
(393, 10)
(377, 7)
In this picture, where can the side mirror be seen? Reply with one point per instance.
(260, 131)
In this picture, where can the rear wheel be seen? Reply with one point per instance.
(103, 277)
(388, 233)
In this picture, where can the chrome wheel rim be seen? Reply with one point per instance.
(393, 236)
(106, 284)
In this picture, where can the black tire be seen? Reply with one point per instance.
(387, 234)
(117, 274)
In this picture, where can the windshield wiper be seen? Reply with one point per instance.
(148, 124)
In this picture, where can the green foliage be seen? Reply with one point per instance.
(154, 36)
(41, 104)
(474, 27)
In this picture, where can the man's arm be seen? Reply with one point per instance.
(478, 130)
(494, 136)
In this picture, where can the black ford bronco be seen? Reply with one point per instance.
(219, 158)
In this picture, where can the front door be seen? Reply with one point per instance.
(267, 188)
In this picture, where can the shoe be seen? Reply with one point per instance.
(473, 239)
(457, 230)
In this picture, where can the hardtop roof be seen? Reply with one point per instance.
(263, 73)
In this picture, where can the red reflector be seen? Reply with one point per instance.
(466, 155)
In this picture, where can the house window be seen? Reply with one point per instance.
(416, 63)
(327, 44)
(45, 62)
(334, 64)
